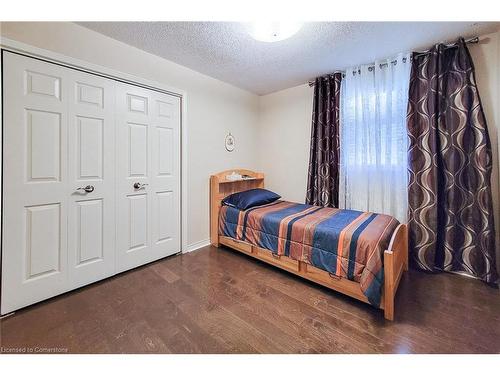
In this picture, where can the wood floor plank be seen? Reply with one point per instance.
(261, 314)
(177, 331)
(359, 338)
(220, 301)
(303, 316)
(432, 340)
(221, 324)
(373, 322)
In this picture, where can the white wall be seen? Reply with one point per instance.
(213, 107)
(285, 121)
(283, 140)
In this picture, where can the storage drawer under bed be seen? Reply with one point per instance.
(267, 256)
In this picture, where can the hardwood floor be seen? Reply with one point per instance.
(219, 301)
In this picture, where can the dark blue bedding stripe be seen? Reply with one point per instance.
(231, 222)
(271, 224)
(245, 218)
(354, 245)
(289, 229)
(327, 233)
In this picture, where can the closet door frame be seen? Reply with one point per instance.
(101, 71)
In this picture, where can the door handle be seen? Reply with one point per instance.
(87, 189)
(139, 185)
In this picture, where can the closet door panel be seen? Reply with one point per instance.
(133, 129)
(166, 166)
(148, 171)
(91, 224)
(34, 251)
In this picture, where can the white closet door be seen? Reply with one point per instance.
(58, 136)
(91, 178)
(35, 180)
(166, 203)
(91, 224)
(148, 176)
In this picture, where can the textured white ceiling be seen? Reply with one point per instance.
(225, 50)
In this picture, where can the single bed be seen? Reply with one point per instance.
(361, 254)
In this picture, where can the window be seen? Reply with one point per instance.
(373, 138)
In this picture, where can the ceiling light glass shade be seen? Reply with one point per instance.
(269, 31)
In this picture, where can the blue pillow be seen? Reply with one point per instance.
(250, 198)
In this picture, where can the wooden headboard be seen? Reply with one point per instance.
(221, 187)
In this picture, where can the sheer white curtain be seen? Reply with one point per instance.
(373, 137)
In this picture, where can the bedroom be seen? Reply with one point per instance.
(378, 228)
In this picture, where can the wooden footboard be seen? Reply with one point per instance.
(395, 263)
(395, 257)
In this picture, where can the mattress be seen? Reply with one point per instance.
(345, 243)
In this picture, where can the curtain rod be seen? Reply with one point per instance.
(473, 40)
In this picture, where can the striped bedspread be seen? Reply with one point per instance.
(345, 243)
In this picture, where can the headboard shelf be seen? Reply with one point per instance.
(226, 181)
(221, 187)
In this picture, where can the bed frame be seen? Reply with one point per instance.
(395, 257)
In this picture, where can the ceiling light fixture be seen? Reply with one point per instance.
(268, 31)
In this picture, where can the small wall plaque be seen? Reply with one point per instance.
(229, 142)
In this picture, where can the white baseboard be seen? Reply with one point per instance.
(196, 246)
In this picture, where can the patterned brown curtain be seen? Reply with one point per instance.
(323, 176)
(450, 204)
